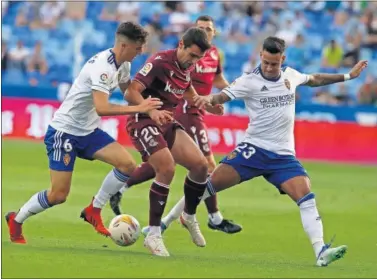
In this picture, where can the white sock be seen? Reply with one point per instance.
(216, 218)
(188, 217)
(312, 223)
(123, 189)
(34, 205)
(112, 183)
(154, 230)
(175, 212)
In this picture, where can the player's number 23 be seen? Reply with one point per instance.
(245, 150)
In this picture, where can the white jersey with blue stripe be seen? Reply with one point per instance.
(271, 107)
(77, 114)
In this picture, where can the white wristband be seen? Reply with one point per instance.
(347, 77)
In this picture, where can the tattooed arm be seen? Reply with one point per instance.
(219, 99)
(326, 79)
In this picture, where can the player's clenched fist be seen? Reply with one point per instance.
(202, 101)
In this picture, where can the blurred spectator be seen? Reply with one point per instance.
(28, 14)
(75, 10)
(332, 55)
(109, 11)
(193, 7)
(128, 11)
(179, 19)
(4, 56)
(155, 31)
(287, 32)
(250, 65)
(340, 93)
(323, 96)
(18, 57)
(37, 62)
(297, 54)
(371, 25)
(367, 94)
(354, 32)
(50, 13)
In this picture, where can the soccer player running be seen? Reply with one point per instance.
(74, 132)
(268, 147)
(207, 72)
(162, 141)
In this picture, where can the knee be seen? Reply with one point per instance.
(211, 164)
(166, 170)
(200, 167)
(126, 167)
(57, 196)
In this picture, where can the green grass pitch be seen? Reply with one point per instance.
(272, 243)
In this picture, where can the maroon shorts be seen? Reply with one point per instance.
(148, 137)
(197, 130)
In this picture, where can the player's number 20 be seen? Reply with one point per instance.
(245, 150)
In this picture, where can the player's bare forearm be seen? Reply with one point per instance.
(104, 108)
(190, 95)
(133, 93)
(220, 82)
(123, 86)
(219, 99)
(316, 80)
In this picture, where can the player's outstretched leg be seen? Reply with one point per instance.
(39, 202)
(298, 188)
(142, 173)
(163, 164)
(187, 154)
(117, 156)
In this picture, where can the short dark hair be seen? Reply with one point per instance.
(274, 45)
(204, 18)
(196, 36)
(132, 31)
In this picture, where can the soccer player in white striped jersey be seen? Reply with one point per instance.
(268, 147)
(74, 131)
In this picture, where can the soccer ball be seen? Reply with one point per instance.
(124, 229)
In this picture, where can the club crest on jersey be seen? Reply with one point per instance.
(232, 155)
(66, 159)
(213, 55)
(146, 69)
(287, 84)
(104, 77)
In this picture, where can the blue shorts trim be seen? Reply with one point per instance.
(251, 161)
(62, 148)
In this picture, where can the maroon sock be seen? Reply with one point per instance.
(142, 173)
(158, 195)
(193, 194)
(211, 204)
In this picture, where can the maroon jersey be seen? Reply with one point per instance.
(163, 78)
(202, 77)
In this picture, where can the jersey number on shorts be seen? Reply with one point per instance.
(67, 146)
(149, 132)
(245, 150)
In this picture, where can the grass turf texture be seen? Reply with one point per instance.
(272, 243)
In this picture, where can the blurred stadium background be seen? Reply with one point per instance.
(44, 45)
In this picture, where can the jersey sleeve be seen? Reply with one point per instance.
(151, 70)
(100, 78)
(238, 89)
(298, 77)
(125, 73)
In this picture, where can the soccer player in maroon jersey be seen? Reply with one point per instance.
(162, 141)
(207, 73)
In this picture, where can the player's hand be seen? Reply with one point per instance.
(217, 109)
(161, 117)
(150, 104)
(358, 68)
(202, 101)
